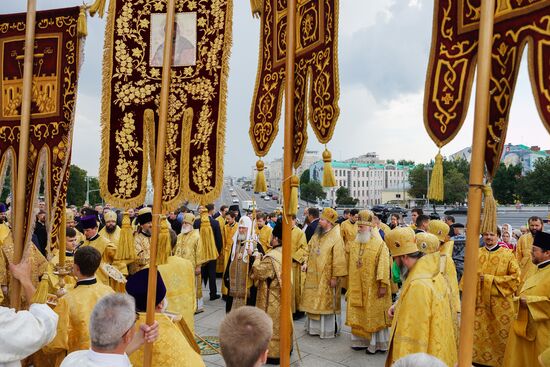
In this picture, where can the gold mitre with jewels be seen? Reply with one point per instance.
(427, 242)
(439, 228)
(365, 218)
(69, 215)
(110, 216)
(330, 215)
(401, 241)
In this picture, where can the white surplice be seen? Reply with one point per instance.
(89, 358)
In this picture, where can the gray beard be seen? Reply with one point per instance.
(241, 237)
(186, 230)
(320, 231)
(404, 272)
(363, 237)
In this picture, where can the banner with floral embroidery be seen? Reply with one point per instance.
(132, 69)
(57, 57)
(316, 74)
(453, 59)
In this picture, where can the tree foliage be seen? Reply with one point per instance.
(77, 188)
(312, 191)
(404, 162)
(507, 184)
(456, 186)
(535, 186)
(304, 178)
(455, 175)
(343, 197)
(418, 181)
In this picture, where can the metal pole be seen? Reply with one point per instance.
(88, 190)
(481, 119)
(288, 160)
(19, 198)
(158, 174)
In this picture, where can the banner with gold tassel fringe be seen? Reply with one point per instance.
(329, 179)
(437, 183)
(489, 221)
(317, 87)
(260, 185)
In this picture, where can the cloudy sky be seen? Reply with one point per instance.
(383, 52)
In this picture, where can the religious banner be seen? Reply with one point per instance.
(57, 57)
(316, 65)
(453, 59)
(132, 69)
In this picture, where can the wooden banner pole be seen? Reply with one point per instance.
(158, 174)
(481, 119)
(22, 159)
(288, 160)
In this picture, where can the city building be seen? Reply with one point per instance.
(511, 155)
(366, 182)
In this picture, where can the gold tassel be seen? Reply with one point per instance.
(260, 185)
(98, 7)
(489, 222)
(164, 247)
(82, 23)
(126, 249)
(257, 7)
(293, 202)
(41, 293)
(329, 180)
(436, 191)
(210, 252)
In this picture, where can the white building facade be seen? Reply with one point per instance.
(365, 181)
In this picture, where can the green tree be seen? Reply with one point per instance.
(418, 181)
(461, 165)
(6, 189)
(455, 185)
(343, 197)
(312, 191)
(404, 162)
(506, 183)
(390, 161)
(304, 178)
(535, 187)
(77, 188)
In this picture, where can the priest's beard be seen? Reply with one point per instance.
(320, 231)
(110, 229)
(363, 237)
(186, 229)
(241, 237)
(403, 272)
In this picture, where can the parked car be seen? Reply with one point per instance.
(275, 197)
(383, 212)
(235, 200)
(267, 198)
(457, 210)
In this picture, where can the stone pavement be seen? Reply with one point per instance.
(315, 352)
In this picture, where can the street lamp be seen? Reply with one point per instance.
(428, 168)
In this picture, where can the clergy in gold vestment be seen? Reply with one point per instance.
(71, 223)
(498, 281)
(348, 230)
(172, 348)
(70, 247)
(111, 231)
(325, 266)
(229, 232)
(220, 217)
(267, 271)
(368, 294)
(422, 321)
(74, 309)
(142, 240)
(106, 248)
(299, 256)
(263, 231)
(530, 332)
(523, 249)
(189, 247)
(237, 273)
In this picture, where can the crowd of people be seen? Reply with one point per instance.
(400, 282)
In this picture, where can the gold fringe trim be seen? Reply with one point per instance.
(149, 129)
(489, 221)
(293, 202)
(257, 7)
(260, 184)
(81, 25)
(98, 7)
(436, 189)
(126, 249)
(329, 180)
(164, 246)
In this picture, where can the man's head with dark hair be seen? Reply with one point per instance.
(244, 337)
(261, 218)
(422, 222)
(354, 211)
(70, 232)
(86, 261)
(346, 212)
(535, 224)
(415, 212)
(449, 219)
(223, 209)
(313, 213)
(210, 208)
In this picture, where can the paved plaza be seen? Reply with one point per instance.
(315, 352)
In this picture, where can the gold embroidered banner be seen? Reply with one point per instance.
(57, 57)
(316, 63)
(132, 68)
(452, 63)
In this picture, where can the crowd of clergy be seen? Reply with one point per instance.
(399, 283)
